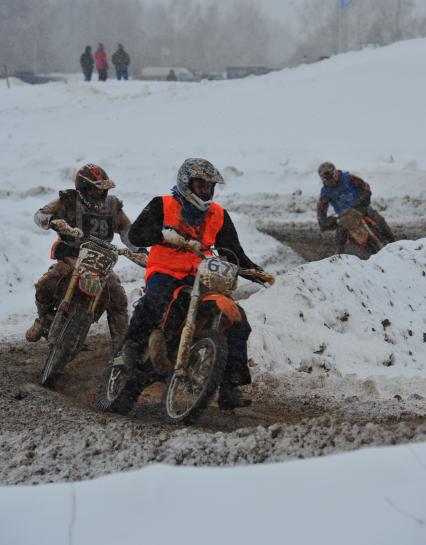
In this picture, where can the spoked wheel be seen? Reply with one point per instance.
(120, 387)
(73, 332)
(185, 398)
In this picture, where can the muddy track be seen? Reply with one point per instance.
(307, 240)
(55, 436)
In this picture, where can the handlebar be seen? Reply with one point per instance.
(260, 275)
(135, 257)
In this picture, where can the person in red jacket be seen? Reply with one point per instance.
(101, 63)
(172, 225)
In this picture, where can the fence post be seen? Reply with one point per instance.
(6, 73)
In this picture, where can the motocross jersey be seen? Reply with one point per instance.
(101, 223)
(179, 263)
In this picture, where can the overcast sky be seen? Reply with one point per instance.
(276, 8)
(281, 9)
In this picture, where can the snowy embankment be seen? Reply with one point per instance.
(370, 496)
(346, 315)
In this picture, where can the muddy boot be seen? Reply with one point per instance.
(230, 397)
(35, 332)
(41, 324)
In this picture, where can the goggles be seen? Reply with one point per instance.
(100, 185)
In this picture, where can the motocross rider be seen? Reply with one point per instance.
(343, 190)
(85, 210)
(188, 218)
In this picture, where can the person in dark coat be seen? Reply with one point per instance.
(171, 76)
(87, 61)
(101, 63)
(121, 61)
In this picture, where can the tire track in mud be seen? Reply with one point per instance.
(58, 436)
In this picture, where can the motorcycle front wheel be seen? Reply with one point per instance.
(73, 329)
(121, 384)
(185, 398)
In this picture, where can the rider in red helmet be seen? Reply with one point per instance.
(83, 211)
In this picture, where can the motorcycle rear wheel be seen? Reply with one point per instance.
(185, 399)
(63, 348)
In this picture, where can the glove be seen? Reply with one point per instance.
(364, 201)
(140, 259)
(174, 238)
(194, 246)
(330, 224)
(61, 226)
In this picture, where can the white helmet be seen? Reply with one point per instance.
(197, 169)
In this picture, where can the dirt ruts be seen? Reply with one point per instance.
(58, 436)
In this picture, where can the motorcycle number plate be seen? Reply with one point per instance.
(218, 266)
(218, 275)
(94, 261)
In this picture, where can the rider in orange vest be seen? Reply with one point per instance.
(189, 219)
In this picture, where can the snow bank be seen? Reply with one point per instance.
(344, 315)
(369, 496)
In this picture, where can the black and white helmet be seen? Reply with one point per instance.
(197, 169)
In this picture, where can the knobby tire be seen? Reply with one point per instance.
(213, 380)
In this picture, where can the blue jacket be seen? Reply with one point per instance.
(344, 196)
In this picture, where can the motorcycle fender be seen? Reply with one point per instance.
(225, 304)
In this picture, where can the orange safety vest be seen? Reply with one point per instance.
(176, 262)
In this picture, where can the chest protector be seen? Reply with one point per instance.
(99, 223)
(179, 263)
(344, 196)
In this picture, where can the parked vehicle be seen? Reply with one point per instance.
(188, 351)
(235, 72)
(160, 73)
(30, 77)
(82, 301)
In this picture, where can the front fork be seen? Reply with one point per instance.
(66, 302)
(188, 331)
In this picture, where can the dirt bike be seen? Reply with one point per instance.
(362, 231)
(188, 351)
(83, 303)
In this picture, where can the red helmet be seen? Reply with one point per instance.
(92, 184)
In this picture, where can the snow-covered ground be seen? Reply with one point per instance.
(340, 322)
(373, 496)
(267, 135)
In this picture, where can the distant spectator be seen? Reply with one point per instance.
(87, 62)
(101, 63)
(121, 61)
(171, 76)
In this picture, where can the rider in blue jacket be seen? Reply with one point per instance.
(344, 190)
